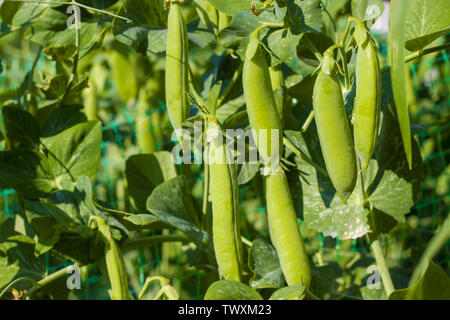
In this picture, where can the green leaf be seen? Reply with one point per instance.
(434, 284)
(144, 13)
(213, 96)
(8, 10)
(304, 15)
(27, 172)
(396, 41)
(7, 272)
(74, 152)
(21, 128)
(289, 293)
(63, 118)
(367, 10)
(303, 91)
(231, 290)
(283, 44)
(264, 263)
(425, 22)
(171, 201)
(231, 7)
(248, 172)
(146, 171)
(320, 41)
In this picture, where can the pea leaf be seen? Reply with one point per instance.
(21, 128)
(289, 293)
(425, 22)
(434, 284)
(231, 290)
(171, 201)
(231, 7)
(396, 41)
(73, 152)
(367, 10)
(63, 118)
(283, 44)
(304, 15)
(146, 171)
(264, 263)
(8, 10)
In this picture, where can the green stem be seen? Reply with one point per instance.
(205, 192)
(382, 266)
(48, 279)
(300, 154)
(227, 90)
(312, 48)
(308, 121)
(77, 53)
(247, 242)
(197, 96)
(73, 3)
(418, 54)
(12, 283)
(432, 250)
(149, 241)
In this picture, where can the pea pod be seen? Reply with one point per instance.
(263, 114)
(225, 207)
(176, 78)
(366, 118)
(334, 133)
(276, 77)
(284, 231)
(145, 136)
(114, 262)
(261, 105)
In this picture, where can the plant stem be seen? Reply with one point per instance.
(432, 249)
(382, 266)
(205, 192)
(12, 283)
(48, 279)
(300, 154)
(227, 90)
(77, 53)
(418, 54)
(151, 240)
(312, 48)
(197, 96)
(308, 121)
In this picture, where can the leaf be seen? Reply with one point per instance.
(144, 13)
(171, 201)
(425, 22)
(21, 128)
(303, 91)
(304, 15)
(146, 171)
(289, 293)
(367, 10)
(27, 172)
(396, 41)
(8, 10)
(231, 290)
(74, 152)
(264, 263)
(248, 172)
(283, 44)
(7, 272)
(213, 96)
(320, 41)
(63, 118)
(231, 7)
(434, 284)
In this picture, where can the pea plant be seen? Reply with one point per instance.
(257, 128)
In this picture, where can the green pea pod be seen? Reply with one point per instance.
(367, 102)
(277, 80)
(285, 232)
(176, 67)
(90, 102)
(144, 134)
(225, 207)
(114, 262)
(261, 105)
(334, 133)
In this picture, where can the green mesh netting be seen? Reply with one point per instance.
(430, 82)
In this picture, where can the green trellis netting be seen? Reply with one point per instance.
(429, 78)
